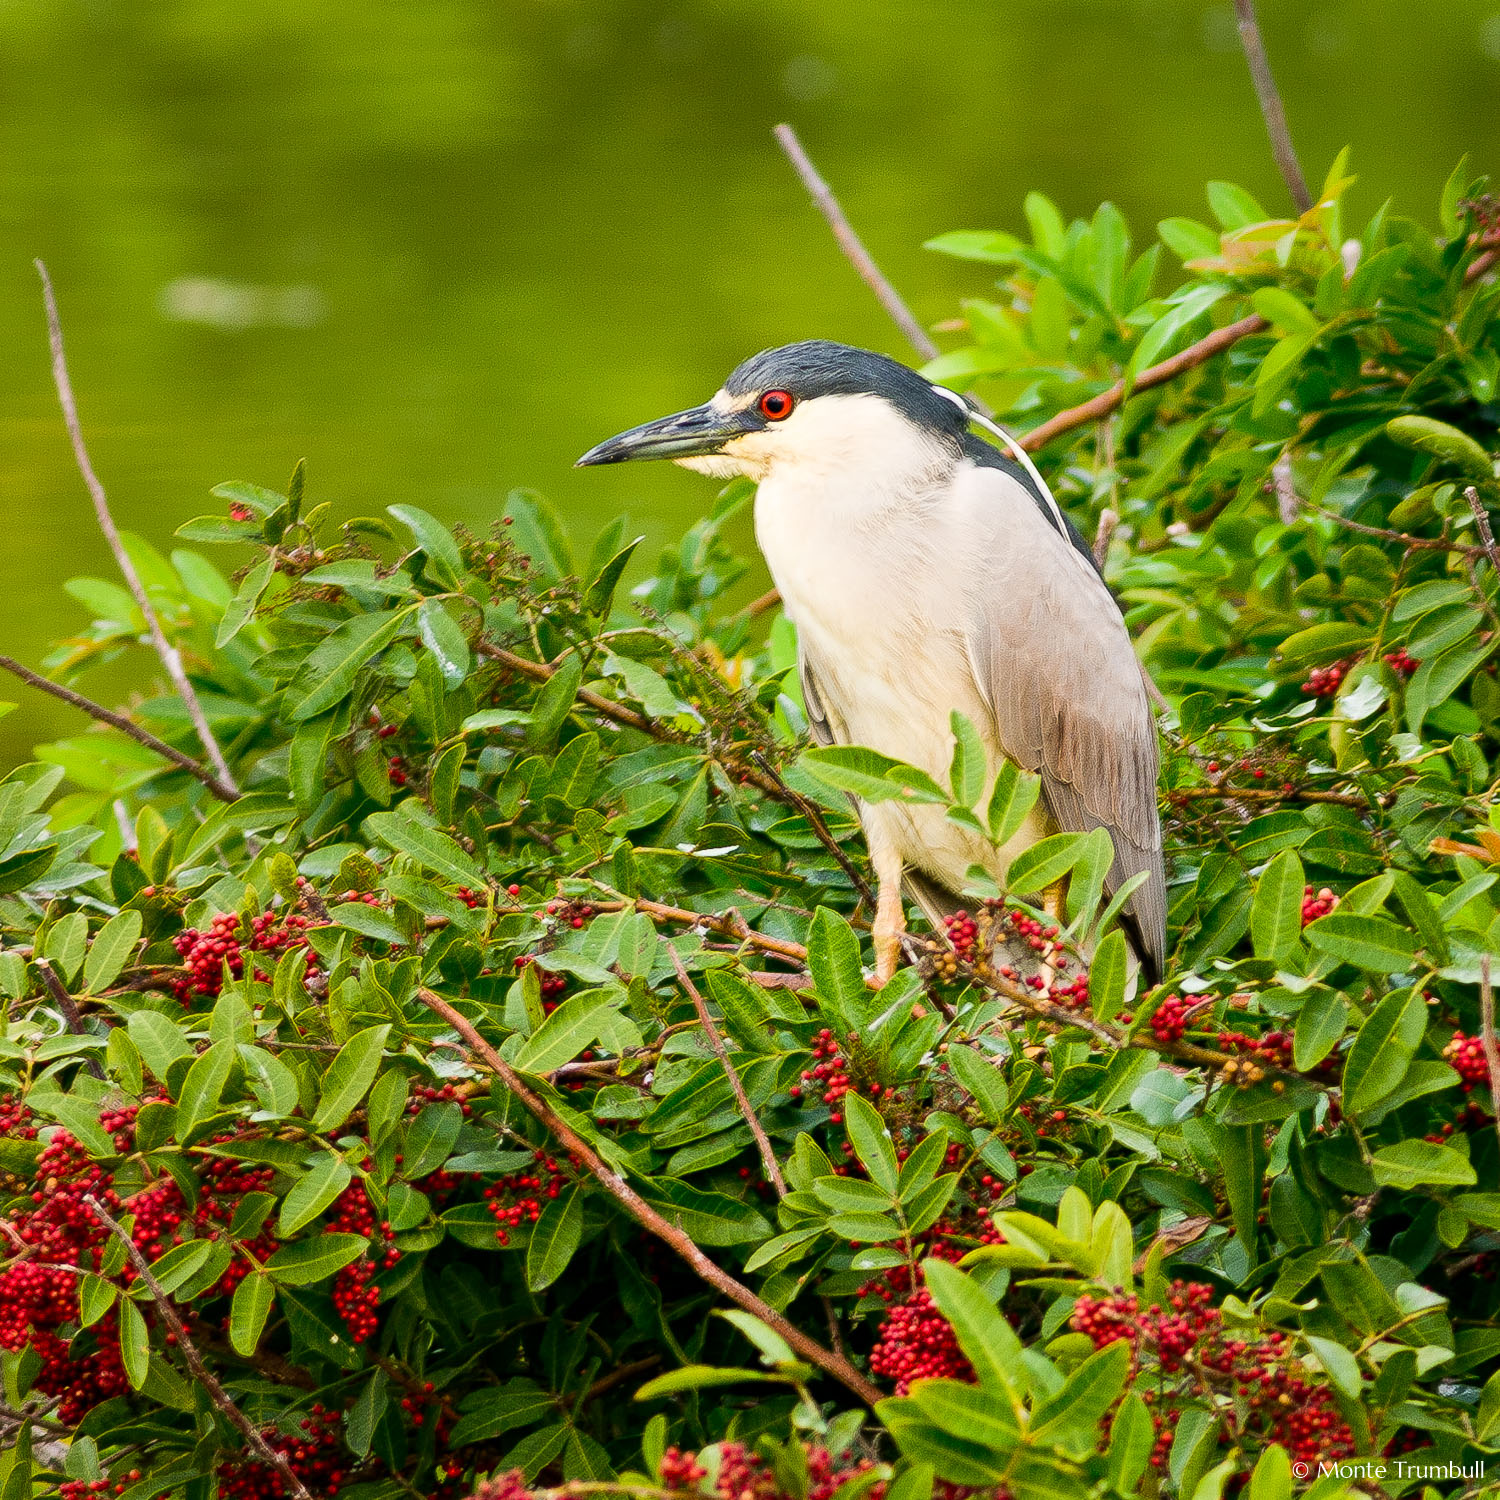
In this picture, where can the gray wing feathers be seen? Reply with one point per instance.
(1053, 660)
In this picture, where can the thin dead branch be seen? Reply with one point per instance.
(1487, 1035)
(200, 1372)
(1271, 107)
(221, 789)
(1482, 522)
(852, 246)
(642, 1212)
(171, 658)
(69, 1008)
(762, 1140)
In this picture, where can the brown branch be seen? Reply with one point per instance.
(1112, 399)
(767, 602)
(642, 1212)
(782, 948)
(852, 246)
(1487, 1035)
(762, 1140)
(69, 1007)
(814, 816)
(171, 658)
(615, 1377)
(200, 1372)
(144, 737)
(1266, 794)
(1482, 521)
(1109, 521)
(1270, 106)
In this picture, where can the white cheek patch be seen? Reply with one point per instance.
(723, 402)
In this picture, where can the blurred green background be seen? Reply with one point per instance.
(440, 248)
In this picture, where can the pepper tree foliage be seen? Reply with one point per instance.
(1078, 1241)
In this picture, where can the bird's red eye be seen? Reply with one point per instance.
(776, 405)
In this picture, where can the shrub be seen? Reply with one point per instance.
(491, 1094)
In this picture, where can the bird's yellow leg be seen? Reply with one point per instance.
(1053, 903)
(890, 915)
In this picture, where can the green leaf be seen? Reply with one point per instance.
(431, 849)
(1107, 976)
(111, 948)
(1045, 862)
(447, 643)
(565, 1033)
(555, 701)
(601, 591)
(1012, 799)
(488, 1412)
(1366, 942)
(241, 608)
(536, 531)
(871, 1142)
(982, 1331)
(350, 1073)
(329, 672)
(159, 1041)
(1341, 1365)
(983, 1080)
(699, 1377)
(1320, 1024)
(833, 960)
(1069, 1419)
(445, 563)
(1419, 1164)
(1385, 1045)
(135, 1344)
(328, 1176)
(248, 1310)
(204, 1087)
(95, 1298)
(1290, 314)
(969, 768)
(66, 942)
(1276, 913)
(870, 775)
(271, 1081)
(1131, 1438)
(307, 1261)
(1272, 1478)
(554, 1239)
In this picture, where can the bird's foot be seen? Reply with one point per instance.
(888, 928)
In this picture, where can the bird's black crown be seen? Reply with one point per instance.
(819, 367)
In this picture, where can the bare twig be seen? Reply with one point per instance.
(852, 246)
(782, 948)
(814, 815)
(762, 1140)
(1266, 794)
(1482, 521)
(1270, 105)
(1107, 401)
(219, 788)
(1487, 1035)
(1288, 502)
(642, 1212)
(171, 658)
(765, 603)
(1109, 521)
(200, 1372)
(69, 1008)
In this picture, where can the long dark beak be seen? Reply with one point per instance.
(687, 434)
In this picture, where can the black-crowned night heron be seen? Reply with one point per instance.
(927, 571)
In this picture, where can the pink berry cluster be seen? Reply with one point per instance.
(1400, 663)
(1324, 682)
(355, 1294)
(518, 1199)
(84, 1489)
(1170, 1020)
(1196, 1356)
(1317, 906)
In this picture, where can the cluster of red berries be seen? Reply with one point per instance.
(828, 1075)
(471, 899)
(1465, 1055)
(552, 984)
(1186, 1336)
(423, 1094)
(1170, 1019)
(1317, 906)
(962, 932)
(517, 1200)
(15, 1119)
(1273, 1050)
(1400, 663)
(82, 1489)
(315, 1454)
(1324, 682)
(573, 913)
(238, 512)
(355, 1296)
(204, 954)
(916, 1342)
(395, 770)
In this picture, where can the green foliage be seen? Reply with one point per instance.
(1089, 1242)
